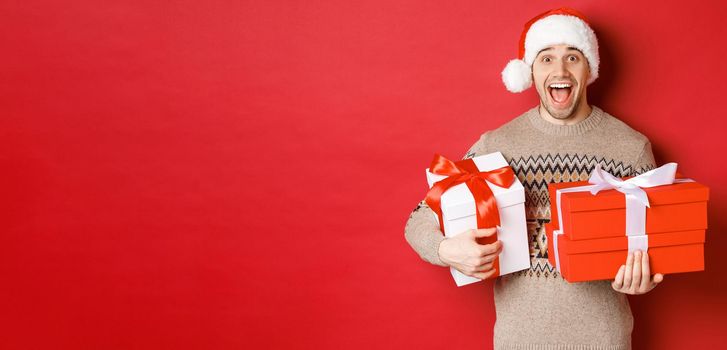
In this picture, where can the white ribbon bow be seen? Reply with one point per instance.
(636, 200)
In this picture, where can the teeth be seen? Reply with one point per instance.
(560, 86)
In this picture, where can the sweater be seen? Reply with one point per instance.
(536, 308)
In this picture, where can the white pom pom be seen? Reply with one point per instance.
(517, 76)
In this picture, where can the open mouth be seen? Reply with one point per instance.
(560, 93)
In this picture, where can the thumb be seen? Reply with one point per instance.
(485, 232)
(658, 278)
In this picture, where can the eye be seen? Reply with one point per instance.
(572, 58)
(546, 59)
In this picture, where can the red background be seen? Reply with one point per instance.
(225, 174)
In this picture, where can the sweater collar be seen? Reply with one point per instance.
(582, 127)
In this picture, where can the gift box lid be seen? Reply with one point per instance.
(567, 246)
(612, 199)
(458, 202)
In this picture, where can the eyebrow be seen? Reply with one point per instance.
(570, 48)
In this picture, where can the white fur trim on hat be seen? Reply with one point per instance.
(548, 31)
(563, 29)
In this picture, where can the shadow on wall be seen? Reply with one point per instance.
(608, 72)
(700, 290)
(684, 297)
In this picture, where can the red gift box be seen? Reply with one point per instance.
(599, 259)
(677, 207)
(603, 219)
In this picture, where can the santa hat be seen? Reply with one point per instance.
(559, 26)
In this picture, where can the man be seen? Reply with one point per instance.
(561, 139)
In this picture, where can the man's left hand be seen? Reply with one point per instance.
(635, 277)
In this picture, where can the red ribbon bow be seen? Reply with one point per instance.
(465, 171)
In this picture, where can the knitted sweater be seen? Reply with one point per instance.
(536, 308)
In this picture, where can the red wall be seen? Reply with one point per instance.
(213, 175)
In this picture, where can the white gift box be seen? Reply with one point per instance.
(458, 213)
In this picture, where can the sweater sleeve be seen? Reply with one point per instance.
(422, 230)
(645, 161)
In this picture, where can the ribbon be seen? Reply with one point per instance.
(465, 171)
(636, 201)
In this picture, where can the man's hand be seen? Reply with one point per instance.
(469, 257)
(635, 277)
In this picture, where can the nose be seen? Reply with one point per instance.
(561, 69)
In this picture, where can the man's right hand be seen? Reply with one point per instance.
(469, 257)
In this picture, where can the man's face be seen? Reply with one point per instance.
(560, 74)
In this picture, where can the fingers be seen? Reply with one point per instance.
(636, 277)
(477, 265)
(486, 259)
(618, 282)
(478, 271)
(474, 259)
(628, 271)
(483, 268)
(484, 275)
(484, 263)
(485, 232)
(646, 283)
(492, 248)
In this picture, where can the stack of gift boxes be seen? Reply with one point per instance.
(590, 234)
(594, 224)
